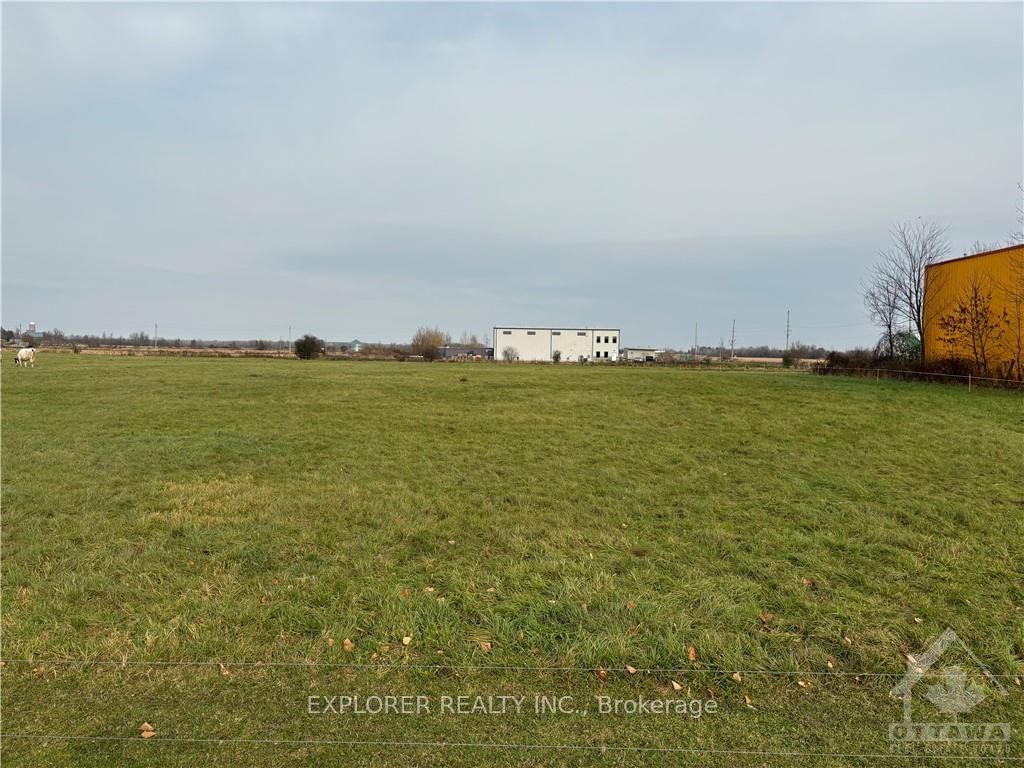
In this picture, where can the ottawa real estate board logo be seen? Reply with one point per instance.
(940, 688)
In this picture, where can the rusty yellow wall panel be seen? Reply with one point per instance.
(1000, 271)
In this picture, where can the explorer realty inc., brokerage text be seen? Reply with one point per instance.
(417, 704)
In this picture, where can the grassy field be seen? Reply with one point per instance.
(494, 530)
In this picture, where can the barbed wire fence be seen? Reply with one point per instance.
(177, 741)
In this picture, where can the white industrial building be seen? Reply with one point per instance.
(569, 345)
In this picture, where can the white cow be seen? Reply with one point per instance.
(26, 357)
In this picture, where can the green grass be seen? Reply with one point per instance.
(254, 510)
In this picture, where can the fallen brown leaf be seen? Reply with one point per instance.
(631, 669)
(765, 616)
(737, 677)
(224, 670)
(632, 631)
(676, 686)
(692, 654)
(330, 642)
(406, 640)
(146, 730)
(348, 645)
(485, 646)
(631, 605)
(803, 683)
(602, 674)
(748, 701)
(405, 593)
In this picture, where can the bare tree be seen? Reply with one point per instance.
(509, 354)
(1017, 238)
(427, 342)
(882, 302)
(915, 246)
(973, 327)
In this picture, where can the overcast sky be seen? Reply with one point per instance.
(360, 170)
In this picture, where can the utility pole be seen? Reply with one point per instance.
(732, 342)
(787, 329)
(694, 341)
(156, 329)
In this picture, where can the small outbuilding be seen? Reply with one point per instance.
(641, 354)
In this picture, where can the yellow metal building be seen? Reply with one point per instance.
(948, 284)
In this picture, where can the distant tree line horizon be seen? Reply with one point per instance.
(425, 342)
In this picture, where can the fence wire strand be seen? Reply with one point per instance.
(620, 748)
(216, 663)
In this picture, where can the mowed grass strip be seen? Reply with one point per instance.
(266, 510)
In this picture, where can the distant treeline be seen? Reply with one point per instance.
(143, 339)
(140, 339)
(798, 349)
(57, 337)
